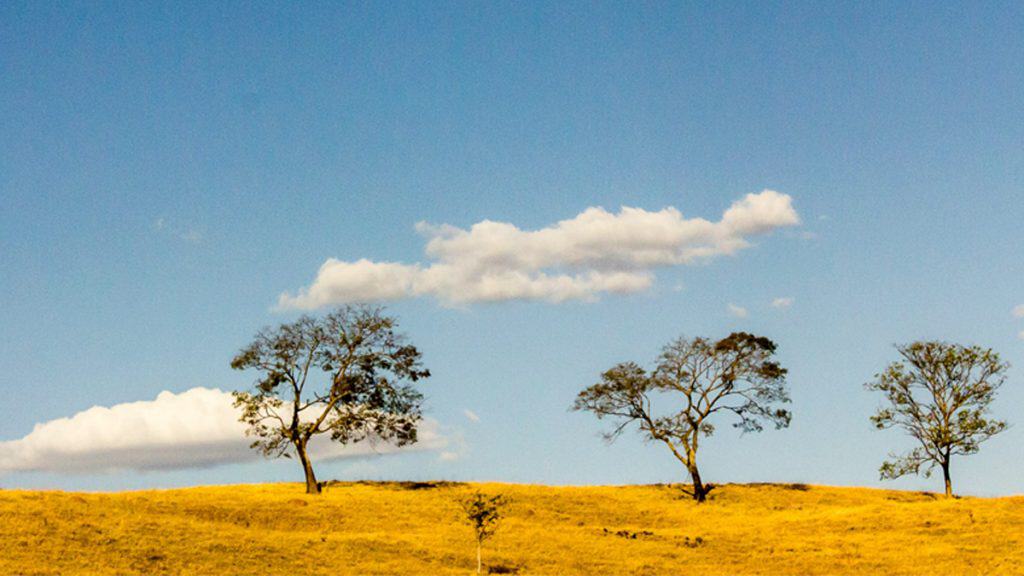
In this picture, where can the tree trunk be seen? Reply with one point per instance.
(312, 486)
(945, 476)
(479, 564)
(700, 492)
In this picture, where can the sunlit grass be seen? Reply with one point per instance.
(405, 528)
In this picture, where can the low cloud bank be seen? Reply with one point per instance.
(192, 429)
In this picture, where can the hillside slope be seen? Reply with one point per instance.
(407, 528)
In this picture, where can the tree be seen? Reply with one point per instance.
(348, 375)
(484, 514)
(735, 375)
(939, 393)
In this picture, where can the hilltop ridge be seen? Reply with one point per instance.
(414, 528)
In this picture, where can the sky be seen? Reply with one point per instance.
(536, 191)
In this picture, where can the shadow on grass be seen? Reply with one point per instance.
(798, 486)
(399, 485)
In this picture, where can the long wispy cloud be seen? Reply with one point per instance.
(577, 259)
(196, 428)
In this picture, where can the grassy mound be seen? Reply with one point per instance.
(415, 528)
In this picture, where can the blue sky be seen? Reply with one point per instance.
(168, 171)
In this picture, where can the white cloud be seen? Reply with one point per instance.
(470, 415)
(577, 259)
(191, 235)
(737, 311)
(195, 428)
(188, 234)
(784, 302)
(1018, 311)
(448, 456)
(1021, 335)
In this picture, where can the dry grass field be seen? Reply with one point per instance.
(407, 528)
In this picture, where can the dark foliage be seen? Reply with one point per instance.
(348, 375)
(734, 376)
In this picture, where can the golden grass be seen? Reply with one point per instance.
(403, 528)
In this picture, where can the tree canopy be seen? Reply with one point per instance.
(939, 394)
(700, 378)
(347, 375)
